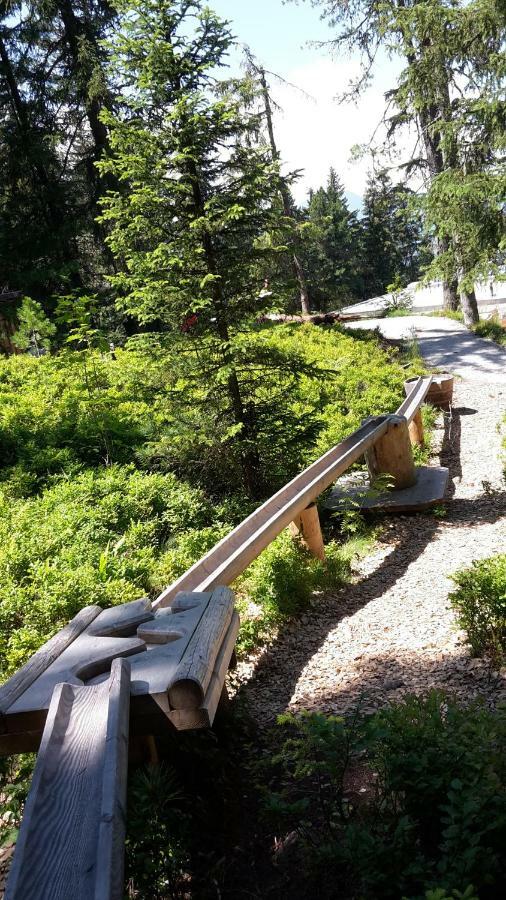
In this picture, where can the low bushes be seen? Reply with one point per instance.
(491, 329)
(408, 803)
(480, 605)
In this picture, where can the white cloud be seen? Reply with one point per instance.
(314, 134)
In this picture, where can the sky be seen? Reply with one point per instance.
(312, 132)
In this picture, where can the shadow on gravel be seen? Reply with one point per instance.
(280, 667)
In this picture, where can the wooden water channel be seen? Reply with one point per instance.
(142, 668)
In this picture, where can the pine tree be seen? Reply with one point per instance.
(196, 224)
(425, 34)
(332, 253)
(393, 245)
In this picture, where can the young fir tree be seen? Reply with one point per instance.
(333, 254)
(196, 223)
(392, 239)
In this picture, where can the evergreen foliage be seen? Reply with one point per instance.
(332, 247)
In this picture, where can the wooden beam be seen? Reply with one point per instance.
(70, 844)
(233, 554)
(416, 394)
(392, 455)
(191, 679)
(306, 526)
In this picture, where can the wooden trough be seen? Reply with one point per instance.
(155, 665)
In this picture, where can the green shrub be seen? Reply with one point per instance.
(280, 583)
(410, 802)
(491, 329)
(95, 538)
(480, 604)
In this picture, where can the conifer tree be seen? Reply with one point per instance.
(196, 224)
(393, 245)
(444, 45)
(333, 246)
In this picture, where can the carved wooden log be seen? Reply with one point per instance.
(191, 679)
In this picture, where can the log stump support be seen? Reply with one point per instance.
(415, 427)
(392, 455)
(306, 526)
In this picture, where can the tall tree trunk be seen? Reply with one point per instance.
(285, 196)
(469, 307)
(249, 457)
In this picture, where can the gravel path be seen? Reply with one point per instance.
(446, 344)
(392, 632)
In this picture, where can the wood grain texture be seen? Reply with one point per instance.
(221, 666)
(392, 455)
(78, 778)
(111, 834)
(190, 681)
(233, 554)
(307, 527)
(203, 717)
(416, 392)
(42, 659)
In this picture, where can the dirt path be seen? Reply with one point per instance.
(392, 631)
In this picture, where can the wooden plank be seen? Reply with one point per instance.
(415, 398)
(88, 655)
(111, 833)
(233, 554)
(190, 681)
(221, 667)
(79, 778)
(43, 657)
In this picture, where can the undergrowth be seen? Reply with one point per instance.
(480, 605)
(409, 802)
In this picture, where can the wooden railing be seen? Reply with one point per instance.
(233, 554)
(81, 768)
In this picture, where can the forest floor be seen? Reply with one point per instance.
(392, 631)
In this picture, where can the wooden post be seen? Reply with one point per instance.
(392, 455)
(307, 527)
(416, 429)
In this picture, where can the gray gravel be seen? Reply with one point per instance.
(392, 631)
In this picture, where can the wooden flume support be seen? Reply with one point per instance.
(189, 633)
(392, 456)
(308, 529)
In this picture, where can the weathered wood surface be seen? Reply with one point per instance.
(232, 555)
(203, 716)
(89, 655)
(183, 643)
(392, 455)
(42, 659)
(189, 683)
(70, 844)
(307, 527)
(416, 393)
(415, 428)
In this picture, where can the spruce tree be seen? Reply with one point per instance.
(196, 225)
(333, 239)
